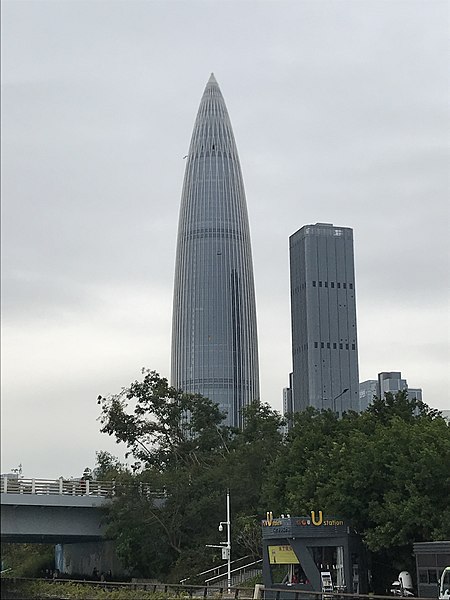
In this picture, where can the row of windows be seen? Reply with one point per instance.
(227, 235)
(214, 232)
(319, 231)
(433, 559)
(213, 152)
(338, 284)
(326, 284)
(335, 345)
(429, 576)
(215, 382)
(329, 345)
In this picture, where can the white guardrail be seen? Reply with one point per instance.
(73, 487)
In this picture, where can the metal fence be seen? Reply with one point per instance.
(74, 487)
(171, 590)
(239, 574)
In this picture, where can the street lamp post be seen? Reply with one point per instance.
(226, 546)
(338, 396)
(228, 542)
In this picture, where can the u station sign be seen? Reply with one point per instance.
(316, 523)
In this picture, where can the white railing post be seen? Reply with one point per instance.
(61, 486)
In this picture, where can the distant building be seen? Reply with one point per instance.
(387, 382)
(288, 405)
(323, 316)
(367, 390)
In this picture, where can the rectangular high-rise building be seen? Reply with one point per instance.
(323, 315)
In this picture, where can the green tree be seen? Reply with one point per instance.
(181, 446)
(164, 427)
(252, 453)
(387, 471)
(27, 560)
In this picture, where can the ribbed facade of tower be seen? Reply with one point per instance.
(214, 337)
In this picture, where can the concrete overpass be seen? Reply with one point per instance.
(57, 511)
(51, 519)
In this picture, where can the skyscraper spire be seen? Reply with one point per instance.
(214, 339)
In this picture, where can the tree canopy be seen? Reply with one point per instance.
(181, 446)
(387, 471)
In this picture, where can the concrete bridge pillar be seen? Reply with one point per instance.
(83, 557)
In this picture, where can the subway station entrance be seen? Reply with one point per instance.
(314, 553)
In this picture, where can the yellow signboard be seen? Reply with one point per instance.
(282, 555)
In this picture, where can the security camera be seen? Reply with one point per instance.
(221, 527)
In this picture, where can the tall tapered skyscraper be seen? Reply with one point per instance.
(214, 338)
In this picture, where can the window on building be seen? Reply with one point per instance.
(320, 284)
(314, 284)
(316, 344)
(328, 345)
(432, 576)
(423, 576)
(332, 284)
(322, 345)
(341, 346)
(339, 285)
(334, 346)
(346, 346)
(353, 347)
(350, 285)
(326, 283)
(345, 286)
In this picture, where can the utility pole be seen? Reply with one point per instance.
(338, 396)
(226, 546)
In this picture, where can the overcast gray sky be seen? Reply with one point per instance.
(340, 115)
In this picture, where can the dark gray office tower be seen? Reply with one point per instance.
(214, 339)
(323, 314)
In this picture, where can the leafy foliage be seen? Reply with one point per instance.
(27, 560)
(182, 447)
(386, 471)
(167, 428)
(79, 591)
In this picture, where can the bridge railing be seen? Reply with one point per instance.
(73, 487)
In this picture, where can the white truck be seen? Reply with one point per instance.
(444, 584)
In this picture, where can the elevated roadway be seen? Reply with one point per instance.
(56, 511)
